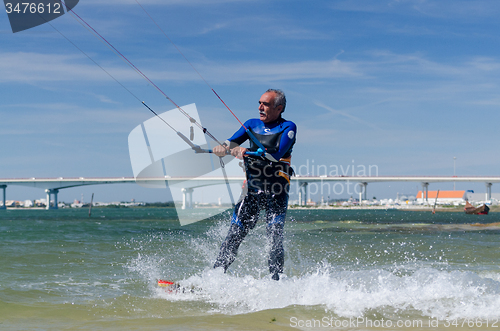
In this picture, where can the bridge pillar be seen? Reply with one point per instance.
(51, 192)
(4, 198)
(363, 190)
(303, 196)
(425, 188)
(488, 191)
(187, 202)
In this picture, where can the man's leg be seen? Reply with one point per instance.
(276, 213)
(244, 218)
(230, 246)
(277, 253)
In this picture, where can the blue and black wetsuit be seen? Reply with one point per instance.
(268, 182)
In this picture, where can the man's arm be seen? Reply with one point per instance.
(286, 141)
(233, 144)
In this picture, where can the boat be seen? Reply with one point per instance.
(481, 210)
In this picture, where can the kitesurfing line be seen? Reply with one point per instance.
(206, 82)
(91, 59)
(261, 151)
(196, 148)
(116, 80)
(192, 66)
(117, 52)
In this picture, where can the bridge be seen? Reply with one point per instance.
(53, 185)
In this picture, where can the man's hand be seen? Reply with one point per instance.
(220, 150)
(238, 152)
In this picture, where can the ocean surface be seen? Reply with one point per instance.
(344, 269)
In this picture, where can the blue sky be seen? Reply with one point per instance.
(403, 85)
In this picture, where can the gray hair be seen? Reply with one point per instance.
(280, 98)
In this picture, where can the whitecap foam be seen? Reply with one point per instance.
(427, 292)
(411, 287)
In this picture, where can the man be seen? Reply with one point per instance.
(268, 179)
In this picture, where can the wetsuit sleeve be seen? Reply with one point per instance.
(239, 137)
(286, 141)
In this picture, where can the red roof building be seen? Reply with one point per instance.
(444, 197)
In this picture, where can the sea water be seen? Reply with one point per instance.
(344, 269)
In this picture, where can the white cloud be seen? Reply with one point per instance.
(347, 115)
(30, 68)
(167, 2)
(258, 72)
(409, 67)
(485, 64)
(437, 9)
(214, 27)
(36, 67)
(64, 118)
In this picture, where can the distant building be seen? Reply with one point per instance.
(40, 202)
(444, 197)
(478, 197)
(310, 203)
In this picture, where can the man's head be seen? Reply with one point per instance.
(271, 105)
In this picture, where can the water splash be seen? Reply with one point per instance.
(410, 287)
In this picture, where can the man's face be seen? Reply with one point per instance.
(269, 113)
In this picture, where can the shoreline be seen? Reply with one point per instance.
(493, 209)
(402, 208)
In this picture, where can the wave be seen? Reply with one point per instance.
(416, 289)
